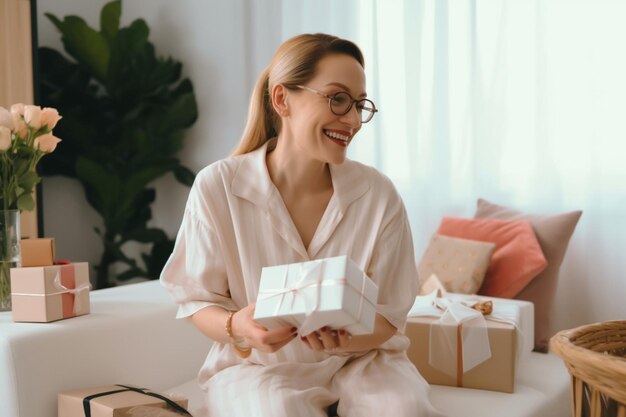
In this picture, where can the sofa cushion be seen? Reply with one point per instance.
(542, 388)
(460, 264)
(553, 233)
(517, 258)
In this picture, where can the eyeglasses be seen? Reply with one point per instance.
(341, 103)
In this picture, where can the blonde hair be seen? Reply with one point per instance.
(294, 63)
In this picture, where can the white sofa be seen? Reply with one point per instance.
(132, 337)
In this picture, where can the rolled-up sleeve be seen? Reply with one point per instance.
(393, 266)
(195, 274)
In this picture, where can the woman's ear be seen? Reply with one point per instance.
(279, 100)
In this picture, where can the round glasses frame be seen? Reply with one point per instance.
(333, 101)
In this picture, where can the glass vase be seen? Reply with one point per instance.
(9, 253)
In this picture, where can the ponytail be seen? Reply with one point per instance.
(261, 124)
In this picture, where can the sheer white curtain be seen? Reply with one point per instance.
(521, 102)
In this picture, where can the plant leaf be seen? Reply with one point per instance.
(105, 186)
(87, 46)
(25, 202)
(184, 175)
(110, 20)
(28, 180)
(159, 255)
(55, 21)
(147, 235)
(140, 179)
(182, 113)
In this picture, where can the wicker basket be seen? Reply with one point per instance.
(595, 355)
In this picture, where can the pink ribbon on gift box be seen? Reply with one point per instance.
(311, 274)
(65, 283)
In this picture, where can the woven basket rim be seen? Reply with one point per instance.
(563, 339)
(561, 344)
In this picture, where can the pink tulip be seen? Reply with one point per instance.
(32, 116)
(49, 117)
(6, 119)
(17, 109)
(21, 129)
(19, 126)
(47, 143)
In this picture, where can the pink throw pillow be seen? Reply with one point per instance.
(516, 260)
(553, 233)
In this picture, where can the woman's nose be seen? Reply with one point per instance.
(352, 118)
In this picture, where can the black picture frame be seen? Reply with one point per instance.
(34, 31)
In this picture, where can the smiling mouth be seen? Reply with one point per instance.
(337, 137)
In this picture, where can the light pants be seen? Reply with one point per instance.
(380, 383)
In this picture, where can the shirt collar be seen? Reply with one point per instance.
(252, 180)
(253, 183)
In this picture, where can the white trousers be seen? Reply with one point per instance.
(380, 383)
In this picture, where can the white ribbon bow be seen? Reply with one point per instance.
(62, 289)
(444, 334)
(311, 274)
(474, 334)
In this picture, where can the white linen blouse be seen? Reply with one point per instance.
(235, 223)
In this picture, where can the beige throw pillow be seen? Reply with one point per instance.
(460, 264)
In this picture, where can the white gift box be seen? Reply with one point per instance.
(331, 292)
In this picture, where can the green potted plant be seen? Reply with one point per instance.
(125, 111)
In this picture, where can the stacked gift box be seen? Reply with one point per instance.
(43, 290)
(470, 341)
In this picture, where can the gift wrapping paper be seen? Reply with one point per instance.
(37, 252)
(331, 292)
(453, 344)
(114, 401)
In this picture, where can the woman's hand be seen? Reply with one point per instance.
(327, 340)
(256, 336)
(341, 341)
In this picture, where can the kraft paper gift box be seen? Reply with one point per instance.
(114, 401)
(452, 344)
(331, 292)
(50, 293)
(37, 252)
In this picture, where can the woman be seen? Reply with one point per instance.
(290, 195)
